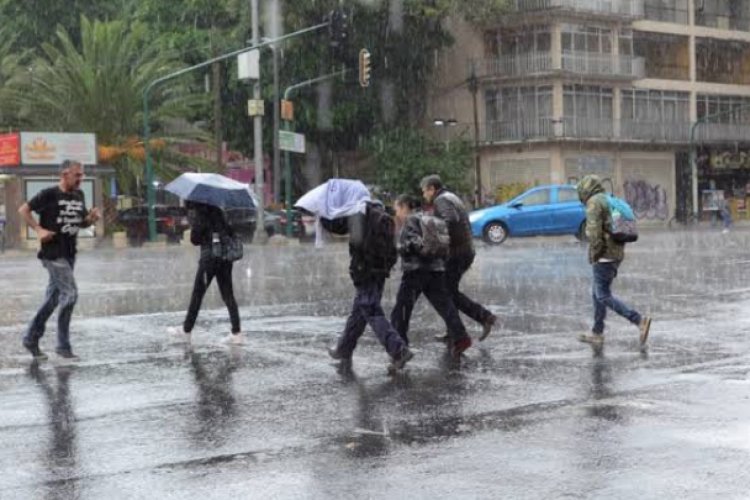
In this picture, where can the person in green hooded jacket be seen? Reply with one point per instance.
(605, 256)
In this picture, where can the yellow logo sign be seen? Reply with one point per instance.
(40, 149)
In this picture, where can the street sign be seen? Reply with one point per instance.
(248, 65)
(255, 107)
(287, 110)
(289, 141)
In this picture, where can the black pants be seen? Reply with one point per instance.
(207, 269)
(455, 269)
(432, 285)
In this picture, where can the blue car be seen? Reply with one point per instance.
(541, 211)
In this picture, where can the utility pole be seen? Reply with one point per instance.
(474, 89)
(276, 122)
(260, 230)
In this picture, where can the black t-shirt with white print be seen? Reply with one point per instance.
(64, 214)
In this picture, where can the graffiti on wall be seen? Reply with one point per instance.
(648, 201)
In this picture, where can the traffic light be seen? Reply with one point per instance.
(338, 30)
(365, 69)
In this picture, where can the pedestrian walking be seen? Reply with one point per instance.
(725, 214)
(212, 232)
(423, 245)
(372, 251)
(62, 213)
(605, 256)
(451, 209)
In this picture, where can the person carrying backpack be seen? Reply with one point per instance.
(219, 248)
(451, 209)
(373, 254)
(424, 244)
(606, 253)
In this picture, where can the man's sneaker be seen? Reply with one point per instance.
(459, 347)
(645, 328)
(398, 364)
(234, 339)
(596, 340)
(33, 348)
(487, 327)
(178, 335)
(67, 354)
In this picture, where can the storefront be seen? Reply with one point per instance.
(724, 174)
(29, 162)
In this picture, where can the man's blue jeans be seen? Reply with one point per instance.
(63, 291)
(604, 274)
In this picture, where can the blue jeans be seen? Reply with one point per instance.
(604, 274)
(61, 291)
(367, 310)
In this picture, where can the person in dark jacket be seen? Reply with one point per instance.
(208, 224)
(450, 208)
(423, 274)
(372, 256)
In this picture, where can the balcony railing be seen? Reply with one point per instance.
(603, 129)
(627, 8)
(604, 65)
(578, 63)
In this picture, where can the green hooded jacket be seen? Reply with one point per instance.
(601, 246)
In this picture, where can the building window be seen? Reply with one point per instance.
(667, 56)
(720, 61)
(730, 109)
(668, 11)
(517, 113)
(655, 106)
(529, 40)
(590, 39)
(723, 14)
(588, 111)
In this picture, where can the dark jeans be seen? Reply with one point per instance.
(604, 274)
(367, 310)
(207, 269)
(455, 268)
(63, 291)
(432, 284)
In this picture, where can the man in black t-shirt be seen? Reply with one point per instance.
(62, 213)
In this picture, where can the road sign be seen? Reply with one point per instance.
(289, 141)
(287, 110)
(248, 65)
(255, 107)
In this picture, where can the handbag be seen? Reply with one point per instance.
(227, 247)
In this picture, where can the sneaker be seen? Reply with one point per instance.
(487, 327)
(596, 340)
(178, 335)
(67, 354)
(234, 339)
(33, 348)
(459, 347)
(645, 328)
(398, 364)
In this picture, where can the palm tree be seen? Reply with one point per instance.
(98, 89)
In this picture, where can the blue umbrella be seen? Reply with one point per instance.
(212, 189)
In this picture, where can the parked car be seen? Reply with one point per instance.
(171, 221)
(541, 211)
(303, 225)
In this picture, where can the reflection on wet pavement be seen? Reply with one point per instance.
(531, 413)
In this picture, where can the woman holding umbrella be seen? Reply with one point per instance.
(206, 196)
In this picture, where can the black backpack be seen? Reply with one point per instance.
(380, 252)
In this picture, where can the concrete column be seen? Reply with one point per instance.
(558, 107)
(617, 109)
(557, 165)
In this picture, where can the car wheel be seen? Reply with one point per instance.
(495, 233)
(581, 234)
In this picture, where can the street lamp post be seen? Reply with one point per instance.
(171, 76)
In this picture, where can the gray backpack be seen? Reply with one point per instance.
(436, 240)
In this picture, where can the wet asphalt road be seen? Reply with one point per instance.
(531, 413)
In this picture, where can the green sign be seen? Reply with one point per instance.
(289, 141)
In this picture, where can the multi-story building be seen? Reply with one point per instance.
(569, 87)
